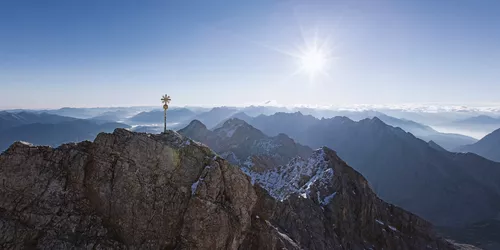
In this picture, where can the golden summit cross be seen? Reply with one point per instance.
(165, 100)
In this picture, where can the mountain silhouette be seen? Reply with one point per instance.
(488, 146)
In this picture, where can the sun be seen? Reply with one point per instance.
(316, 56)
(313, 61)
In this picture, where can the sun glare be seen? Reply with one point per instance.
(313, 61)
(315, 57)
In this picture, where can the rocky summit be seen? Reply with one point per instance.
(131, 190)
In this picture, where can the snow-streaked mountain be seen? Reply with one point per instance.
(296, 177)
(447, 188)
(315, 177)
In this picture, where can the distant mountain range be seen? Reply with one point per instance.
(478, 126)
(446, 140)
(11, 119)
(437, 184)
(488, 147)
(112, 116)
(454, 122)
(55, 134)
(88, 113)
(215, 116)
(49, 129)
(480, 120)
(174, 115)
(151, 119)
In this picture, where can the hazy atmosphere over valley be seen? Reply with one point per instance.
(250, 125)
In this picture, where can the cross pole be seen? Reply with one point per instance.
(165, 100)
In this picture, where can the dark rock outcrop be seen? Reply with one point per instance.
(140, 191)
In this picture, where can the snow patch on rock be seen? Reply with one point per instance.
(194, 186)
(248, 163)
(328, 199)
(266, 146)
(26, 143)
(298, 176)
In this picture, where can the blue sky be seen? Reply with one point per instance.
(129, 53)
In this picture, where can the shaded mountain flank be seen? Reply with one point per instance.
(14, 119)
(488, 147)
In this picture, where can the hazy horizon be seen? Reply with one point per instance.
(410, 107)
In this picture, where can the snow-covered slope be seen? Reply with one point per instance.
(295, 177)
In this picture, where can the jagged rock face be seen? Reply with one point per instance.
(142, 191)
(122, 190)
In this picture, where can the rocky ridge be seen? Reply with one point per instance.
(240, 143)
(131, 190)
